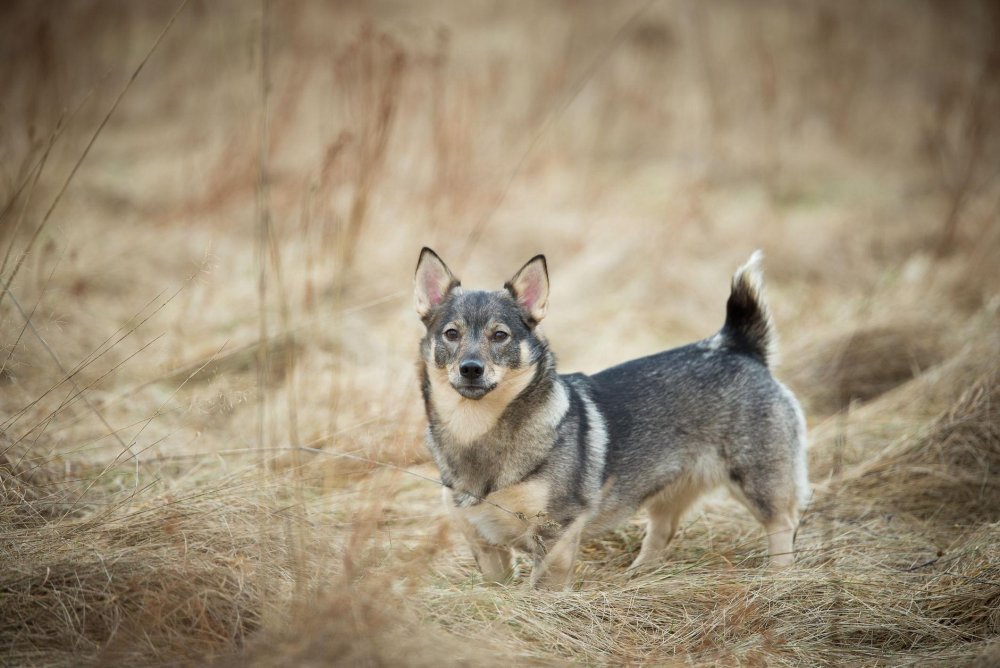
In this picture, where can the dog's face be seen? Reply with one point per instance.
(479, 341)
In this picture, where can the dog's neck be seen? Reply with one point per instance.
(485, 446)
(468, 421)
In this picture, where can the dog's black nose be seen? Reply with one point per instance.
(471, 369)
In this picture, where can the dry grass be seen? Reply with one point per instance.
(861, 365)
(166, 581)
(207, 292)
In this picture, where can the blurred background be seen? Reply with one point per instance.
(211, 212)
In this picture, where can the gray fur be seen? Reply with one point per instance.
(578, 454)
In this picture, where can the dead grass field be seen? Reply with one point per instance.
(210, 431)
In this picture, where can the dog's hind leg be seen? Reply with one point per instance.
(780, 539)
(665, 511)
(774, 503)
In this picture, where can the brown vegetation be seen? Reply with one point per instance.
(210, 432)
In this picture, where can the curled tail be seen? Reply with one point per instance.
(748, 321)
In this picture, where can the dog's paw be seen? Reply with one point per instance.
(464, 499)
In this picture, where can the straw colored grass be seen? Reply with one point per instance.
(861, 365)
(163, 580)
(897, 563)
(154, 506)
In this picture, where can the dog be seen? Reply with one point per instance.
(532, 460)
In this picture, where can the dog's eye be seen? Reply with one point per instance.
(451, 334)
(500, 337)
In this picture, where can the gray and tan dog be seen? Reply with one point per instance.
(533, 460)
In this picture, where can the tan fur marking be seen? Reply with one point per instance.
(526, 502)
(468, 419)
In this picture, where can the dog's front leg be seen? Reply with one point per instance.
(495, 561)
(555, 560)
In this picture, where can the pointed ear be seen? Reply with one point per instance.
(431, 283)
(530, 287)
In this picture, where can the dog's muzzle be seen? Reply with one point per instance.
(471, 385)
(472, 369)
(472, 390)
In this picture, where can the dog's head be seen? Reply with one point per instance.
(481, 340)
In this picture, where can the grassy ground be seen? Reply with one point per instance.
(213, 236)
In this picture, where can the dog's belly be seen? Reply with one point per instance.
(511, 516)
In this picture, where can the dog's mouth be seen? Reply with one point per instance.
(473, 390)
